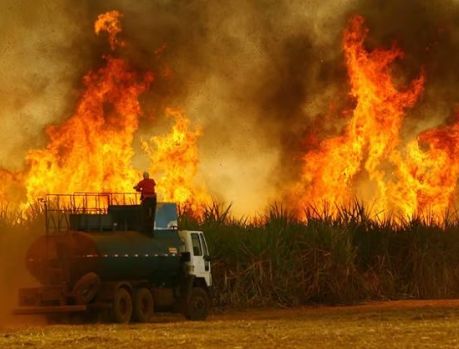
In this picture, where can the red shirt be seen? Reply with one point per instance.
(146, 187)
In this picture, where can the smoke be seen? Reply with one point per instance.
(42, 49)
(251, 73)
(14, 242)
(264, 79)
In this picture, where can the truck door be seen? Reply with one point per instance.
(201, 267)
(205, 252)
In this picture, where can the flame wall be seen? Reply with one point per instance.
(265, 82)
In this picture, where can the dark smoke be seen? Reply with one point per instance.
(265, 78)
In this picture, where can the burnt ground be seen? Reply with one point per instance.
(396, 324)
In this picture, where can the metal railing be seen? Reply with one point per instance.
(59, 207)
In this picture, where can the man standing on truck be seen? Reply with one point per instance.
(146, 188)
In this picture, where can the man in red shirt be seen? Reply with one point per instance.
(146, 188)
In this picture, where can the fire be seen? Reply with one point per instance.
(110, 23)
(429, 173)
(410, 178)
(92, 150)
(177, 147)
(332, 174)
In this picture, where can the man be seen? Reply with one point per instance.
(146, 188)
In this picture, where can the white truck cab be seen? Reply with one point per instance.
(199, 262)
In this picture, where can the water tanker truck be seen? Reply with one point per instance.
(97, 257)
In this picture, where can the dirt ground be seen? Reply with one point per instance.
(399, 324)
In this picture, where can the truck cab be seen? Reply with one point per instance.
(198, 263)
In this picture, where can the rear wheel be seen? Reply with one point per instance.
(197, 305)
(143, 305)
(122, 306)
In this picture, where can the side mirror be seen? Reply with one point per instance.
(186, 257)
(207, 258)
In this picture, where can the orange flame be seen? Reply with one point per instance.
(429, 173)
(110, 23)
(179, 147)
(330, 176)
(92, 151)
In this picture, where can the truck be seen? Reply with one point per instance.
(96, 257)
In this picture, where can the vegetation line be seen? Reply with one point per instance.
(344, 258)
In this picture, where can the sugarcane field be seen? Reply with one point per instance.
(239, 174)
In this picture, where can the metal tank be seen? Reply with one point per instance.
(110, 242)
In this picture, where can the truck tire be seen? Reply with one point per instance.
(86, 288)
(197, 305)
(122, 306)
(143, 305)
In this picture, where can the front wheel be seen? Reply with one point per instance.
(197, 305)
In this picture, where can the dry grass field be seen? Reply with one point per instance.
(401, 324)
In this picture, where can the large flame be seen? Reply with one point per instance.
(92, 151)
(399, 179)
(174, 159)
(332, 173)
